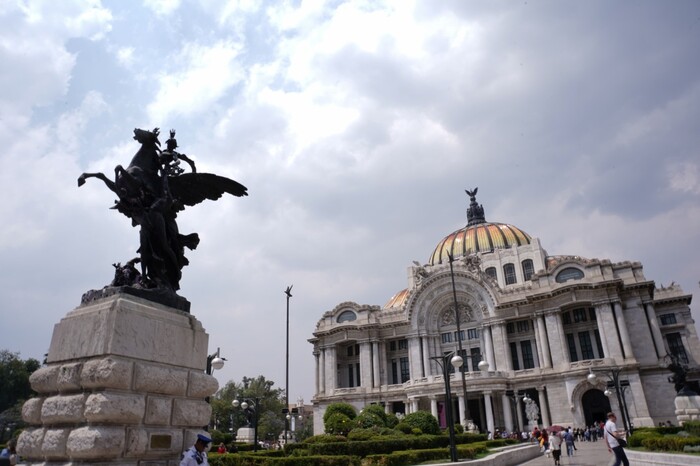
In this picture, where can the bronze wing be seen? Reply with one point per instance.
(192, 188)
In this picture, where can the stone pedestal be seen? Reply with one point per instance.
(124, 384)
(687, 408)
(246, 435)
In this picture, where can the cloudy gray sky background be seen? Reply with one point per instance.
(356, 127)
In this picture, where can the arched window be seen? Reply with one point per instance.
(346, 316)
(491, 272)
(509, 274)
(528, 269)
(569, 273)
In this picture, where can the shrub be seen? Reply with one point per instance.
(343, 408)
(424, 421)
(368, 419)
(403, 427)
(459, 428)
(326, 438)
(392, 420)
(378, 410)
(692, 427)
(338, 424)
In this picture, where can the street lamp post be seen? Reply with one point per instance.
(288, 292)
(443, 361)
(619, 386)
(215, 362)
(250, 408)
(459, 338)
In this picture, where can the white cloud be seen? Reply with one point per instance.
(163, 7)
(125, 56)
(684, 177)
(200, 75)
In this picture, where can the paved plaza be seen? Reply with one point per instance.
(588, 454)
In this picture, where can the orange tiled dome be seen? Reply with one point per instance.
(478, 236)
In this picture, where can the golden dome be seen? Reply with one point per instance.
(478, 236)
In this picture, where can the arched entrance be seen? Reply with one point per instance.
(595, 406)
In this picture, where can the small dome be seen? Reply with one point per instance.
(478, 236)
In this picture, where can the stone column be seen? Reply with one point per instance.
(501, 344)
(655, 330)
(322, 366)
(519, 413)
(558, 351)
(602, 331)
(124, 383)
(488, 342)
(426, 355)
(460, 403)
(624, 333)
(544, 411)
(489, 412)
(376, 382)
(544, 343)
(317, 371)
(331, 369)
(365, 364)
(434, 407)
(606, 322)
(415, 360)
(414, 405)
(507, 412)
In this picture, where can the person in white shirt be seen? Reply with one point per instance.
(197, 455)
(612, 435)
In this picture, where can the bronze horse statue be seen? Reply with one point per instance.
(150, 192)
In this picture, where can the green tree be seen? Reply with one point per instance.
(15, 389)
(226, 418)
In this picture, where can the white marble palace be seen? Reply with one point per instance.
(531, 328)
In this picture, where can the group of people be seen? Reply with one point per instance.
(553, 442)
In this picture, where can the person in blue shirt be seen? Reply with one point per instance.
(196, 455)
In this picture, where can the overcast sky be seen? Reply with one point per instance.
(356, 127)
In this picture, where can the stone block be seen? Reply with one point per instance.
(156, 443)
(107, 373)
(45, 379)
(96, 442)
(62, 409)
(154, 378)
(54, 443)
(30, 441)
(115, 408)
(158, 410)
(190, 412)
(69, 377)
(31, 410)
(202, 385)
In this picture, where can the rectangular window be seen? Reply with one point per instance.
(676, 348)
(510, 327)
(584, 340)
(476, 358)
(667, 319)
(566, 318)
(459, 335)
(403, 344)
(528, 360)
(394, 371)
(580, 315)
(591, 314)
(573, 354)
(473, 334)
(357, 373)
(523, 326)
(351, 376)
(446, 337)
(465, 362)
(392, 346)
(599, 344)
(405, 372)
(528, 269)
(350, 350)
(509, 272)
(514, 356)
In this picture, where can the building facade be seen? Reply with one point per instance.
(530, 328)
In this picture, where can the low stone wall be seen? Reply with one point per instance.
(643, 458)
(510, 456)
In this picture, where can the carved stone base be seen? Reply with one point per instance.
(124, 384)
(246, 435)
(687, 408)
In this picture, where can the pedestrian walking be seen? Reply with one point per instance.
(616, 441)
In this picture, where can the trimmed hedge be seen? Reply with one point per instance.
(669, 443)
(411, 457)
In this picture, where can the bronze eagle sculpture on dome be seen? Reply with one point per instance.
(151, 191)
